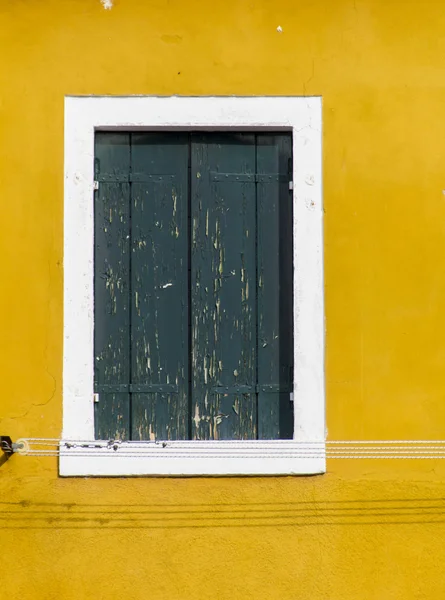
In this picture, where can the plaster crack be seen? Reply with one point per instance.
(36, 404)
(305, 83)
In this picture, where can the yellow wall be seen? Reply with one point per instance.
(367, 529)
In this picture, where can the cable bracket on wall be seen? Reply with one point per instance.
(6, 446)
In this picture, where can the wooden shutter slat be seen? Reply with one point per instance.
(275, 287)
(159, 282)
(111, 275)
(223, 312)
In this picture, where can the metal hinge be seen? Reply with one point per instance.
(95, 185)
(291, 185)
(96, 398)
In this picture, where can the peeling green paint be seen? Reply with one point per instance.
(197, 305)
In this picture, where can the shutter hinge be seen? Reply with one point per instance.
(291, 185)
(96, 398)
(291, 396)
(95, 185)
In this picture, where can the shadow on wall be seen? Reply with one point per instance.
(29, 515)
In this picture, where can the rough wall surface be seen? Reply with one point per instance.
(365, 529)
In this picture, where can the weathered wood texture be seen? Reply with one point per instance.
(275, 286)
(193, 286)
(112, 285)
(159, 282)
(223, 287)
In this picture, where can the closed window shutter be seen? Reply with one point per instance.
(141, 286)
(193, 286)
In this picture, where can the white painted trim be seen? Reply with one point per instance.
(301, 116)
(268, 457)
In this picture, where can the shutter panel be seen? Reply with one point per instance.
(275, 286)
(223, 286)
(159, 286)
(193, 313)
(111, 286)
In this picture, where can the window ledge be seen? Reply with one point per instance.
(201, 458)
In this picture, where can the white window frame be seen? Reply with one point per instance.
(302, 117)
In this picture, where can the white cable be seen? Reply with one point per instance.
(327, 442)
(331, 449)
(238, 456)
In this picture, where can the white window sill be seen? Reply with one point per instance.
(221, 458)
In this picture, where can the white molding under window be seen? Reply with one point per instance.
(302, 117)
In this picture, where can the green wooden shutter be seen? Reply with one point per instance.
(141, 286)
(193, 319)
(159, 281)
(275, 286)
(223, 287)
(112, 286)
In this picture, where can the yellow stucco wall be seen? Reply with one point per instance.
(366, 529)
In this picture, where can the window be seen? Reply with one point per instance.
(193, 322)
(193, 286)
